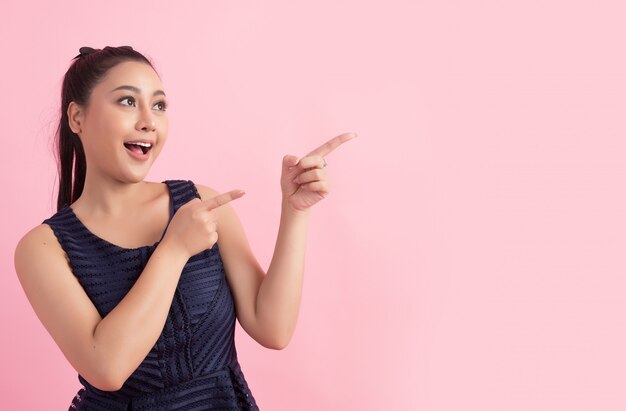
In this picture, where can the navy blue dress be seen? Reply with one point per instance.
(193, 365)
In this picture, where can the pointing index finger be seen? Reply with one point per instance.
(222, 199)
(331, 144)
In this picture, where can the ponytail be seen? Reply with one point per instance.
(87, 69)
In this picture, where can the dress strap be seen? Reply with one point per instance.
(181, 192)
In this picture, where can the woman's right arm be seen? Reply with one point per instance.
(104, 351)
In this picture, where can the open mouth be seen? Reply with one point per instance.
(139, 148)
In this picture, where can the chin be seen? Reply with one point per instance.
(134, 177)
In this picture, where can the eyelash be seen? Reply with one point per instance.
(163, 102)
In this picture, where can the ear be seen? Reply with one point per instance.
(75, 117)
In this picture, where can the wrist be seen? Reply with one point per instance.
(288, 208)
(174, 248)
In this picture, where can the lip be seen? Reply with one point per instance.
(139, 156)
(140, 140)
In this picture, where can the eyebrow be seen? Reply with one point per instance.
(136, 90)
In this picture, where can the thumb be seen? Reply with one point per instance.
(289, 161)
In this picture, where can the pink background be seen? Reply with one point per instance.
(470, 255)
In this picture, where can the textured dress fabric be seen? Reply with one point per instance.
(193, 365)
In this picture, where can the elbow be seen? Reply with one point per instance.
(105, 372)
(114, 385)
(108, 378)
(275, 346)
(273, 343)
(273, 336)
(109, 386)
(104, 383)
(115, 380)
(278, 343)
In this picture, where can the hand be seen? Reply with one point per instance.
(304, 182)
(193, 228)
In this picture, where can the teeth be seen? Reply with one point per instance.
(139, 143)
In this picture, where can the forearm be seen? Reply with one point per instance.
(125, 336)
(278, 300)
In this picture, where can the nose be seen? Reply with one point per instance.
(146, 125)
(146, 121)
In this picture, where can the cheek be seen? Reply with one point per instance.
(163, 132)
(115, 128)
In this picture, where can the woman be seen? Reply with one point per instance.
(139, 283)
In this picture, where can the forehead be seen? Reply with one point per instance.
(131, 73)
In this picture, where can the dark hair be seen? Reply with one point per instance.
(87, 69)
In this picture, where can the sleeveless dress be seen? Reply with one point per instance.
(193, 365)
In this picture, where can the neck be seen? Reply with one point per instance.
(105, 195)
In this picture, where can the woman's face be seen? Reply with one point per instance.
(115, 116)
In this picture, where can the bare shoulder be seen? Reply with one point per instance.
(38, 240)
(41, 231)
(205, 191)
(37, 252)
(34, 254)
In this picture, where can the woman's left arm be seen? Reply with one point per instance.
(267, 305)
(278, 300)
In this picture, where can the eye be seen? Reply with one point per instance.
(162, 102)
(126, 98)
